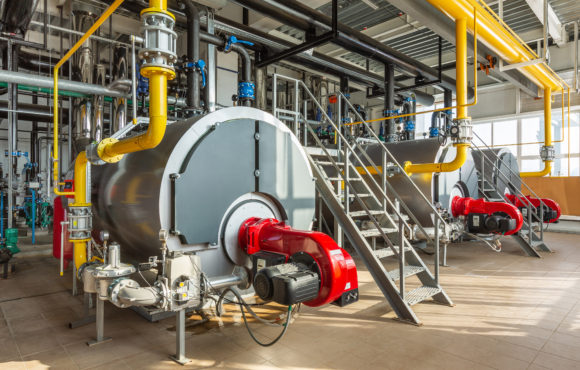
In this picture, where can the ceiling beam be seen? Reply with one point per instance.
(555, 28)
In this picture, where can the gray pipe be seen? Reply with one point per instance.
(193, 29)
(298, 15)
(48, 82)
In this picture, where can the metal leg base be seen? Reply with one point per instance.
(94, 342)
(181, 361)
(179, 356)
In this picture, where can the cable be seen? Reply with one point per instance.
(243, 304)
(496, 249)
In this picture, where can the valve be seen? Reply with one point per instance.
(551, 212)
(488, 217)
(230, 40)
(199, 66)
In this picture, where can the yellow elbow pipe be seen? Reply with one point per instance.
(547, 135)
(461, 81)
(454, 165)
(111, 150)
(80, 180)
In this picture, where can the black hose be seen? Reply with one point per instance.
(243, 304)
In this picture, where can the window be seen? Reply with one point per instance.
(505, 132)
(483, 132)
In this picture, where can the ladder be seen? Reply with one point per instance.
(531, 236)
(372, 222)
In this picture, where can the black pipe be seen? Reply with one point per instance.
(391, 129)
(448, 102)
(193, 29)
(240, 50)
(301, 16)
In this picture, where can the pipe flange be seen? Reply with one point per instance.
(92, 153)
(115, 288)
(165, 293)
(462, 131)
(101, 151)
(547, 153)
(151, 68)
(110, 271)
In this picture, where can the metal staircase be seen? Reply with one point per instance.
(531, 236)
(375, 226)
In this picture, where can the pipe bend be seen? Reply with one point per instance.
(455, 164)
(546, 171)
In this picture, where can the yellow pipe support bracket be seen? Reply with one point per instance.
(106, 14)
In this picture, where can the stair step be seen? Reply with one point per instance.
(496, 200)
(420, 294)
(407, 270)
(373, 233)
(328, 163)
(364, 213)
(360, 195)
(341, 179)
(388, 252)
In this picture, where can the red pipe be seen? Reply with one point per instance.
(466, 206)
(521, 203)
(337, 269)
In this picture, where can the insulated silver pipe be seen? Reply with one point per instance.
(48, 83)
(226, 281)
(211, 67)
(139, 296)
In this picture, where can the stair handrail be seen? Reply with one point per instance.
(348, 183)
(505, 176)
(394, 160)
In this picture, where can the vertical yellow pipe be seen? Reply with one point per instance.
(461, 66)
(461, 95)
(547, 134)
(80, 246)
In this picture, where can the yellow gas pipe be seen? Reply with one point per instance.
(111, 150)
(461, 95)
(80, 181)
(500, 38)
(547, 134)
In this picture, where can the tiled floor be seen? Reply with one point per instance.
(512, 312)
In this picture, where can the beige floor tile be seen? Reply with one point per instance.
(54, 358)
(554, 362)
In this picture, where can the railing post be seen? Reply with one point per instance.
(529, 222)
(296, 108)
(338, 115)
(346, 182)
(541, 222)
(436, 240)
(384, 179)
(401, 259)
(304, 131)
(274, 94)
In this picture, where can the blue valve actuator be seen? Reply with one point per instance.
(230, 40)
